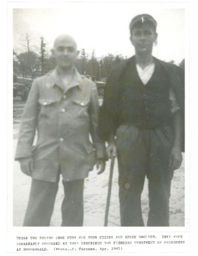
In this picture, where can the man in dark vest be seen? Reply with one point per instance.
(142, 119)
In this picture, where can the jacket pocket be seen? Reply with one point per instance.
(46, 105)
(80, 108)
(91, 155)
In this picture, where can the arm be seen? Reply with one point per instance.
(177, 82)
(175, 155)
(177, 108)
(108, 117)
(94, 119)
(27, 131)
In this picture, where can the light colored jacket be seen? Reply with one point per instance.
(63, 119)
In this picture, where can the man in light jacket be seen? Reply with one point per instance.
(63, 108)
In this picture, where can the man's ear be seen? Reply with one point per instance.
(156, 36)
(52, 53)
(77, 53)
(131, 40)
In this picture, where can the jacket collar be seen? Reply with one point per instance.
(53, 79)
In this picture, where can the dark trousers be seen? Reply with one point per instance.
(42, 198)
(141, 153)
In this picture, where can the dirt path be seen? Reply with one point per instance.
(95, 193)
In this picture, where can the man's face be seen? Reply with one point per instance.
(143, 38)
(65, 52)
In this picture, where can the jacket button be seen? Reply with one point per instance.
(127, 185)
(61, 139)
(62, 110)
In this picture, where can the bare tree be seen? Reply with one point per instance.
(26, 42)
(42, 54)
(26, 47)
(182, 64)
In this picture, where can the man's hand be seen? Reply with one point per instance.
(26, 165)
(100, 165)
(111, 150)
(175, 158)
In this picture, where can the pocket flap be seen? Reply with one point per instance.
(82, 102)
(45, 102)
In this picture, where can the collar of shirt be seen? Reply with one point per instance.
(146, 73)
(53, 79)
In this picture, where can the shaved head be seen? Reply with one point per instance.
(66, 39)
(65, 51)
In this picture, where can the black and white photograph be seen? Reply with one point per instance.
(100, 135)
(84, 96)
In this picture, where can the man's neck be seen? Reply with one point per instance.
(144, 60)
(66, 76)
(65, 72)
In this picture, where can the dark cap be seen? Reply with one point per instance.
(141, 19)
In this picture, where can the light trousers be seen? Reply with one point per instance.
(42, 198)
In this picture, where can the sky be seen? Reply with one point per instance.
(102, 27)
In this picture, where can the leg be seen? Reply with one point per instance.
(72, 206)
(132, 159)
(41, 203)
(130, 201)
(159, 177)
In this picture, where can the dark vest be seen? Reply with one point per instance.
(146, 106)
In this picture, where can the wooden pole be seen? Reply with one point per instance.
(109, 191)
